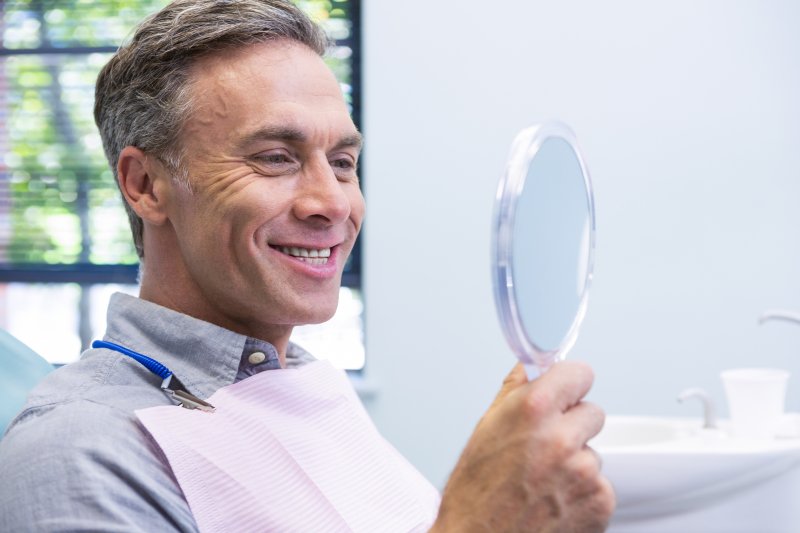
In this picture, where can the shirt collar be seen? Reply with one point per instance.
(203, 356)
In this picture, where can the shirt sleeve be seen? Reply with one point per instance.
(85, 466)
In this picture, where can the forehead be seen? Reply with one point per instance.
(257, 85)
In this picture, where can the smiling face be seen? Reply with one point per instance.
(259, 242)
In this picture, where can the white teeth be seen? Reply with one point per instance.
(308, 255)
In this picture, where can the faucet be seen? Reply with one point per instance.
(779, 314)
(709, 414)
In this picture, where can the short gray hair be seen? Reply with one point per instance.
(142, 94)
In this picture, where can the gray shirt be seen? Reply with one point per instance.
(76, 457)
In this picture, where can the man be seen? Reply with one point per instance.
(236, 156)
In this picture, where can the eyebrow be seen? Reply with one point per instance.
(292, 135)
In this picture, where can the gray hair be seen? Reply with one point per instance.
(142, 96)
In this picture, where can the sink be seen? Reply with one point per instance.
(672, 475)
(632, 431)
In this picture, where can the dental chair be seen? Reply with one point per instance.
(20, 370)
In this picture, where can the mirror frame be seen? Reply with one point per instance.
(524, 148)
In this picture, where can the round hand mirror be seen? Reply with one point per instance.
(543, 245)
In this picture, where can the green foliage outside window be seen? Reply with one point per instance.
(58, 200)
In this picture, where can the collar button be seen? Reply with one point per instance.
(256, 358)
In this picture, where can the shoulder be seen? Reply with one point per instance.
(77, 458)
(92, 400)
(100, 375)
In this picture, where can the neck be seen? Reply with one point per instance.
(174, 289)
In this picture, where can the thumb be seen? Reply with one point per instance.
(515, 379)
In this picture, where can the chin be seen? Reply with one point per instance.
(318, 314)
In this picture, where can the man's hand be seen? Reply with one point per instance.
(526, 466)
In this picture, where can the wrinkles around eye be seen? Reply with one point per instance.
(279, 163)
(275, 163)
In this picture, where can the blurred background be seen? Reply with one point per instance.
(688, 117)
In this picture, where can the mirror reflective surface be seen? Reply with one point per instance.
(543, 245)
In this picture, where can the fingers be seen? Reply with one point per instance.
(583, 421)
(515, 379)
(585, 467)
(564, 384)
(518, 487)
(607, 500)
(597, 456)
(558, 392)
(590, 490)
(596, 499)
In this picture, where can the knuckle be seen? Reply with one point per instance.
(590, 417)
(539, 402)
(565, 449)
(587, 468)
(561, 446)
(596, 413)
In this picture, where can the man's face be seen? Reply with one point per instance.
(275, 205)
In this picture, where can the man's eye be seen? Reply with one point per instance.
(273, 159)
(343, 164)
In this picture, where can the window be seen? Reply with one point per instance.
(65, 245)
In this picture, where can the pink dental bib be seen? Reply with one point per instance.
(290, 450)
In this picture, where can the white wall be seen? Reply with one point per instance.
(688, 113)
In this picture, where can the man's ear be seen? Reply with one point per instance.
(141, 183)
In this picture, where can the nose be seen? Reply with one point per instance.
(320, 196)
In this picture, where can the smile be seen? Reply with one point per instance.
(307, 255)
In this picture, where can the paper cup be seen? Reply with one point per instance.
(755, 400)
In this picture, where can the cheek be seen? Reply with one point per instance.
(260, 213)
(248, 205)
(357, 207)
